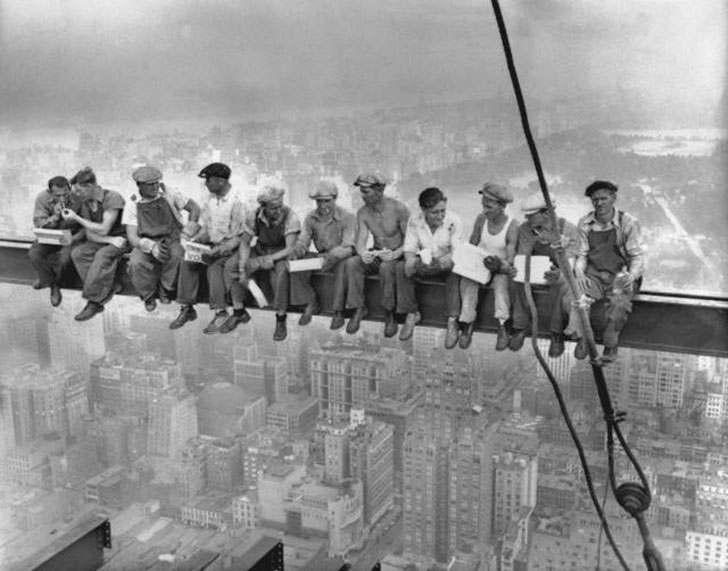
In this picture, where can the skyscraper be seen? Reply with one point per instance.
(73, 345)
(514, 487)
(172, 422)
(371, 457)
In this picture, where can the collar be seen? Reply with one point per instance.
(591, 218)
(98, 195)
(336, 215)
(141, 200)
(219, 198)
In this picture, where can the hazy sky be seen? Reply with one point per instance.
(135, 59)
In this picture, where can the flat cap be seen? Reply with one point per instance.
(370, 179)
(85, 175)
(534, 203)
(324, 189)
(269, 193)
(496, 192)
(599, 185)
(147, 174)
(217, 170)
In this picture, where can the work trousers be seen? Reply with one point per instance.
(273, 282)
(522, 313)
(452, 291)
(96, 264)
(618, 308)
(396, 288)
(219, 281)
(49, 261)
(302, 293)
(147, 272)
(469, 291)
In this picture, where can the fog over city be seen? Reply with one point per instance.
(359, 447)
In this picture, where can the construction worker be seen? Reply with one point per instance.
(222, 221)
(609, 265)
(154, 224)
(495, 232)
(431, 238)
(386, 220)
(537, 236)
(96, 258)
(276, 228)
(50, 260)
(333, 232)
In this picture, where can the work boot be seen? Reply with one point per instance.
(453, 333)
(355, 321)
(239, 316)
(408, 328)
(186, 313)
(609, 354)
(91, 309)
(216, 323)
(556, 349)
(390, 325)
(165, 297)
(501, 343)
(517, 339)
(466, 335)
(337, 321)
(281, 331)
(581, 350)
(311, 309)
(56, 297)
(150, 304)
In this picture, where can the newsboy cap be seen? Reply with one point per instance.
(324, 189)
(147, 174)
(269, 193)
(599, 185)
(496, 192)
(217, 170)
(534, 203)
(369, 179)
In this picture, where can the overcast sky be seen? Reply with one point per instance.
(61, 60)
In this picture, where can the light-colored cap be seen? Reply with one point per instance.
(269, 193)
(324, 189)
(534, 202)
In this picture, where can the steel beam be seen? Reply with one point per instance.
(659, 322)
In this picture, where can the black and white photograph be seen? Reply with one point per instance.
(404, 285)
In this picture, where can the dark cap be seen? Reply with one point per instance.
(84, 176)
(217, 170)
(599, 185)
(370, 179)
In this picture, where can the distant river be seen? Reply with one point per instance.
(697, 142)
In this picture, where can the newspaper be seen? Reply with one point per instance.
(194, 251)
(305, 264)
(468, 262)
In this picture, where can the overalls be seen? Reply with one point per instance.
(156, 221)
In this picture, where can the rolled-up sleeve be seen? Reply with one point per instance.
(582, 244)
(633, 245)
(304, 238)
(238, 218)
(42, 210)
(348, 237)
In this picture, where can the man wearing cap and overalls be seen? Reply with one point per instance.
(609, 265)
(276, 228)
(154, 225)
(536, 236)
(333, 232)
(221, 226)
(50, 260)
(386, 219)
(496, 232)
(97, 258)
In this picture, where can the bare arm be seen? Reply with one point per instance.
(98, 228)
(194, 209)
(362, 234)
